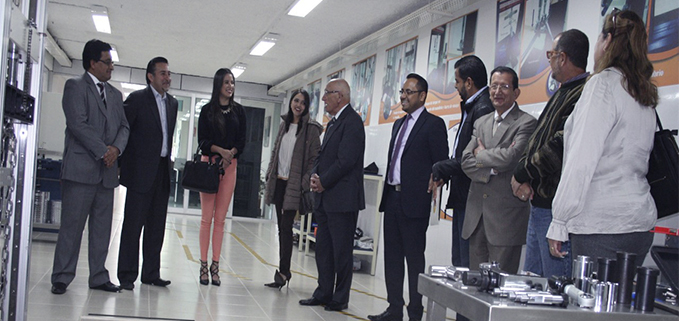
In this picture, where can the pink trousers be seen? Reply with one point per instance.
(213, 207)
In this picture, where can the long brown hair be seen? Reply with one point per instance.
(628, 52)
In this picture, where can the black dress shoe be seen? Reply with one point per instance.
(310, 301)
(385, 316)
(158, 282)
(127, 286)
(108, 287)
(336, 306)
(59, 288)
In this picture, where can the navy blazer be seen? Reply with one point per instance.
(340, 165)
(139, 163)
(427, 144)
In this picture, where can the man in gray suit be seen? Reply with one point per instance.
(96, 134)
(496, 221)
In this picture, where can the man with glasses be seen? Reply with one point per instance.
(96, 134)
(496, 221)
(471, 79)
(145, 170)
(418, 140)
(539, 170)
(337, 183)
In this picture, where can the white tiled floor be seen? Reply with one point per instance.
(249, 259)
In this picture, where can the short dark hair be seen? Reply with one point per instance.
(421, 82)
(507, 70)
(151, 67)
(92, 51)
(576, 46)
(472, 67)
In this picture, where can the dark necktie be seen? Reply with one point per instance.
(397, 147)
(101, 92)
(327, 129)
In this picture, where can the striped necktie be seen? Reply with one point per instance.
(101, 92)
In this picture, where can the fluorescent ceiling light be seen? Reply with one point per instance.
(127, 85)
(303, 7)
(264, 44)
(100, 18)
(238, 69)
(114, 54)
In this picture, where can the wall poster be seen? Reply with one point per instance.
(449, 42)
(399, 63)
(362, 87)
(525, 31)
(661, 18)
(314, 90)
(336, 75)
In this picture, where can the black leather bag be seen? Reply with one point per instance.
(662, 174)
(201, 176)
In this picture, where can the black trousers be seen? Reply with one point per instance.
(334, 254)
(405, 239)
(148, 211)
(285, 219)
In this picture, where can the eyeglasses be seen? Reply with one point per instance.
(107, 62)
(503, 87)
(614, 14)
(551, 53)
(326, 92)
(409, 92)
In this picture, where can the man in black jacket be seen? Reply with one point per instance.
(471, 81)
(145, 171)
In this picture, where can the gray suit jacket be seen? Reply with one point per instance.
(505, 217)
(90, 128)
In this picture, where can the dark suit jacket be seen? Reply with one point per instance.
(340, 165)
(427, 144)
(450, 169)
(139, 163)
(505, 217)
(90, 128)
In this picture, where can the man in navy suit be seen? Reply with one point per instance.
(418, 140)
(96, 134)
(337, 180)
(145, 170)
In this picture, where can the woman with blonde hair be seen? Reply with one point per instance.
(603, 197)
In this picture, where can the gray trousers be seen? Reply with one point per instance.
(606, 245)
(80, 201)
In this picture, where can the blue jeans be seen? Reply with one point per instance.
(460, 249)
(538, 260)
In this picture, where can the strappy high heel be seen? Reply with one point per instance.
(279, 280)
(214, 273)
(203, 273)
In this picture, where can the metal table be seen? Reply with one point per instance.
(443, 293)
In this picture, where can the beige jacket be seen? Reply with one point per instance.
(298, 167)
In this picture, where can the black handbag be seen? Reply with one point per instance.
(201, 176)
(306, 203)
(662, 171)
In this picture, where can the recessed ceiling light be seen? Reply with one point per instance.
(238, 69)
(100, 18)
(303, 7)
(264, 44)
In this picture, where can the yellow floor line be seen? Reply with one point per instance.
(263, 261)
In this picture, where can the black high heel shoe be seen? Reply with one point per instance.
(203, 273)
(279, 280)
(214, 272)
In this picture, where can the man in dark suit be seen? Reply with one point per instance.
(96, 134)
(470, 80)
(496, 221)
(418, 140)
(145, 170)
(337, 180)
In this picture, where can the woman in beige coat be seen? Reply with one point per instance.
(288, 174)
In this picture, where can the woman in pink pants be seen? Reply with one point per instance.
(221, 133)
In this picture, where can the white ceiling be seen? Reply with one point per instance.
(200, 36)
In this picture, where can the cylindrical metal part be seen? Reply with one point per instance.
(625, 268)
(437, 271)
(599, 292)
(645, 291)
(582, 269)
(605, 269)
(611, 294)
